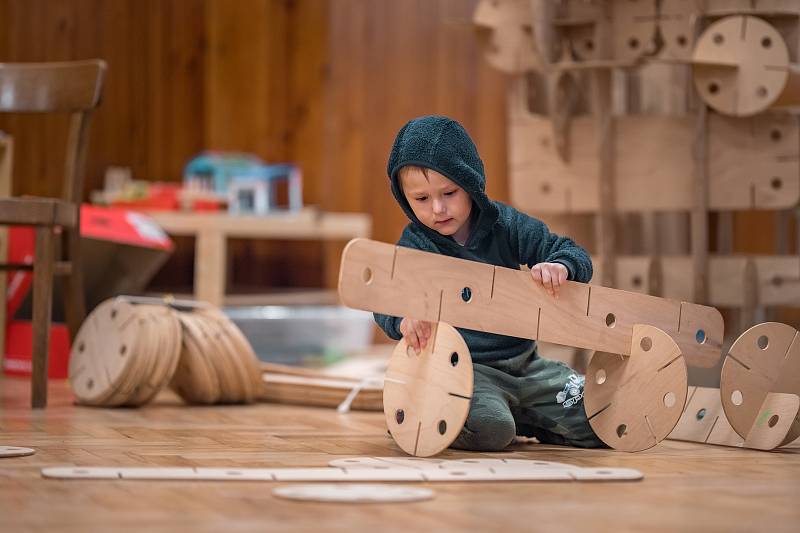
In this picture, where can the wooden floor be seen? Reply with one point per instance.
(687, 487)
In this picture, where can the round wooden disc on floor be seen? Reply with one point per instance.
(634, 402)
(740, 65)
(15, 451)
(353, 493)
(760, 384)
(426, 396)
(195, 379)
(101, 356)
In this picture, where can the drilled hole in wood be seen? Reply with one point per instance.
(713, 87)
(90, 384)
(682, 40)
(775, 135)
(761, 92)
(588, 44)
(646, 343)
(546, 188)
(777, 281)
(701, 414)
(669, 399)
(718, 38)
(466, 294)
(700, 336)
(633, 43)
(766, 42)
(81, 347)
(123, 350)
(637, 281)
(737, 398)
(399, 415)
(442, 427)
(454, 358)
(366, 275)
(773, 421)
(600, 377)
(776, 183)
(113, 313)
(621, 429)
(763, 342)
(611, 320)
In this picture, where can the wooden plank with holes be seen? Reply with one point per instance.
(398, 281)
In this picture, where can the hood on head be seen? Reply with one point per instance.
(443, 145)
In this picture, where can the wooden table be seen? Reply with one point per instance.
(212, 231)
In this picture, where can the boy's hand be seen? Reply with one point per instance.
(550, 275)
(415, 332)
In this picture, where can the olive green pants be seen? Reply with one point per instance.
(529, 396)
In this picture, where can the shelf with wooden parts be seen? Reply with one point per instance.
(775, 279)
(635, 401)
(399, 281)
(754, 163)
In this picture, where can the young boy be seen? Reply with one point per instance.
(437, 178)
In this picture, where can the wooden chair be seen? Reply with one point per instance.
(71, 87)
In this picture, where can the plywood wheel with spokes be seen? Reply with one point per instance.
(760, 385)
(427, 396)
(633, 402)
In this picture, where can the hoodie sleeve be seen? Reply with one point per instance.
(391, 324)
(532, 243)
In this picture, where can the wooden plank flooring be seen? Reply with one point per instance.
(687, 487)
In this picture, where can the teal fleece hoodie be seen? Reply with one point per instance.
(500, 234)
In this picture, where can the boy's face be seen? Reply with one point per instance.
(437, 202)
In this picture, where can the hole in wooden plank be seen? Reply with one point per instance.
(81, 347)
(588, 44)
(399, 415)
(633, 43)
(761, 92)
(621, 429)
(682, 40)
(701, 414)
(466, 294)
(546, 188)
(736, 397)
(713, 87)
(600, 377)
(611, 320)
(777, 281)
(766, 42)
(669, 399)
(454, 358)
(113, 313)
(90, 384)
(775, 135)
(123, 350)
(366, 275)
(718, 38)
(442, 427)
(646, 343)
(776, 183)
(773, 421)
(637, 281)
(763, 342)
(700, 336)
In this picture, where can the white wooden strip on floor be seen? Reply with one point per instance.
(368, 469)
(15, 451)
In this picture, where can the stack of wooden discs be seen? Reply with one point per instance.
(127, 351)
(217, 364)
(124, 353)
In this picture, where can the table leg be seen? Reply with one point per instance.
(209, 267)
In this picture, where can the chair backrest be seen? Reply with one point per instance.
(73, 87)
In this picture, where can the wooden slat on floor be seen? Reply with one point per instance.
(686, 487)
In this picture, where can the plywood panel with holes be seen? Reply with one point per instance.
(383, 278)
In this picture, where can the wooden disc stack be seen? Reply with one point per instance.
(127, 351)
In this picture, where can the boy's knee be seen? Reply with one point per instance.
(487, 432)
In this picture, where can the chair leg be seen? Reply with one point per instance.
(43, 266)
(74, 296)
